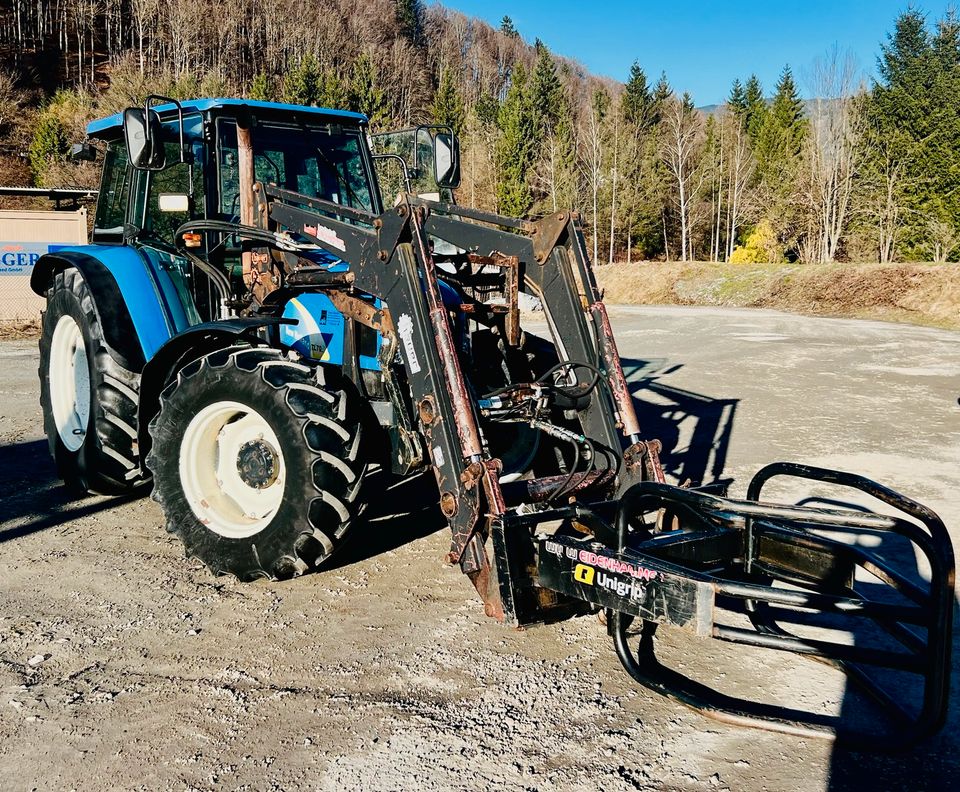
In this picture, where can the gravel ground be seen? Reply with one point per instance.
(123, 665)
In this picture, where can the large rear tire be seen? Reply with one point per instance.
(256, 462)
(89, 400)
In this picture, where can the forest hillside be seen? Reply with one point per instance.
(865, 171)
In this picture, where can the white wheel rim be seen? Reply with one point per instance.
(219, 439)
(69, 381)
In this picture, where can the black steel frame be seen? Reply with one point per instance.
(775, 564)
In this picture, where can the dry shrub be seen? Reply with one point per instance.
(19, 329)
(919, 293)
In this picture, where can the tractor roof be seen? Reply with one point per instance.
(105, 125)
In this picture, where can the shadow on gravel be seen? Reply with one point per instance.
(694, 429)
(399, 512)
(930, 765)
(32, 497)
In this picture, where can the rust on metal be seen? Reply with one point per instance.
(448, 505)
(485, 585)
(319, 276)
(491, 488)
(471, 475)
(460, 401)
(652, 460)
(427, 408)
(511, 292)
(547, 233)
(362, 311)
(511, 324)
(542, 489)
(623, 402)
(247, 177)
(644, 456)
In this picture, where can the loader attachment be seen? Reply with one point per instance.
(822, 582)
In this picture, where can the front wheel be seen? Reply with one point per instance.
(256, 462)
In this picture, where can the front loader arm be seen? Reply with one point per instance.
(390, 257)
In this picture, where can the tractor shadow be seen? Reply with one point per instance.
(694, 429)
(399, 511)
(32, 497)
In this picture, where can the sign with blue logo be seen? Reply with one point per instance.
(18, 258)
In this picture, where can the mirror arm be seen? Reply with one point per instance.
(403, 166)
(186, 157)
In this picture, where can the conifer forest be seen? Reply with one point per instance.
(868, 169)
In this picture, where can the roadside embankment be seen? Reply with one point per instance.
(927, 294)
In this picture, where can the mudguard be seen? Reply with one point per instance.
(133, 312)
(185, 347)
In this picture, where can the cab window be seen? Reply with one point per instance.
(114, 192)
(318, 162)
(174, 179)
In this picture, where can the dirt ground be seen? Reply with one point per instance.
(125, 666)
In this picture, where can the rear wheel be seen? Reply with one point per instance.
(89, 399)
(256, 461)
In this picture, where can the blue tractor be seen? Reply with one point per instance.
(277, 311)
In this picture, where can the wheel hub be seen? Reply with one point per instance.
(232, 469)
(257, 464)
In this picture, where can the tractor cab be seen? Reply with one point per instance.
(172, 162)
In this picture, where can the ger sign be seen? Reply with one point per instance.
(18, 258)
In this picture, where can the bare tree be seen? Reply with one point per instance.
(592, 163)
(741, 165)
(834, 153)
(682, 146)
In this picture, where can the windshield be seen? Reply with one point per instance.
(415, 147)
(315, 161)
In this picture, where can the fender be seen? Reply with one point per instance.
(184, 348)
(126, 298)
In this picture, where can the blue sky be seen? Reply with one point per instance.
(704, 44)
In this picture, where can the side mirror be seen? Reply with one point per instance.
(446, 160)
(142, 135)
(82, 152)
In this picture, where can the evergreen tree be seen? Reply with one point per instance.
(777, 149)
(263, 88)
(331, 91)
(756, 107)
(365, 95)
(300, 85)
(565, 142)
(915, 106)
(508, 29)
(781, 134)
(447, 105)
(49, 143)
(906, 48)
(637, 99)
(410, 20)
(515, 147)
(661, 95)
(737, 101)
(487, 109)
(546, 92)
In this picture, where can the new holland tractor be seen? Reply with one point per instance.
(273, 305)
